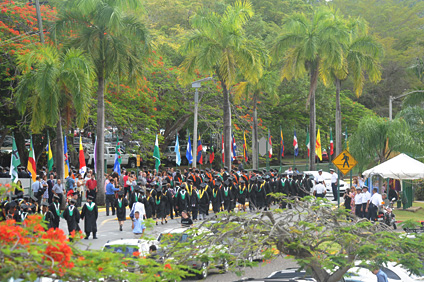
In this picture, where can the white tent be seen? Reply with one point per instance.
(400, 167)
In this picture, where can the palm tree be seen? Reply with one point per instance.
(56, 84)
(114, 38)
(363, 55)
(266, 85)
(311, 46)
(219, 45)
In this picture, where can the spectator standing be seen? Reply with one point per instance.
(91, 185)
(381, 276)
(138, 225)
(110, 196)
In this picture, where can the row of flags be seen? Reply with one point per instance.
(15, 161)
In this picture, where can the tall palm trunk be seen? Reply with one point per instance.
(227, 125)
(60, 165)
(312, 116)
(338, 118)
(100, 199)
(255, 133)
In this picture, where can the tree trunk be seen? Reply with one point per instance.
(59, 161)
(312, 117)
(100, 199)
(227, 125)
(255, 133)
(338, 135)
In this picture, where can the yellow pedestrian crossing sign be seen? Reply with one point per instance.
(345, 162)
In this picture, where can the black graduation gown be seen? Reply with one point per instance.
(203, 201)
(48, 218)
(72, 219)
(242, 193)
(194, 200)
(251, 192)
(268, 191)
(216, 200)
(183, 200)
(55, 210)
(260, 195)
(160, 206)
(121, 212)
(149, 205)
(90, 218)
(168, 199)
(227, 196)
(134, 198)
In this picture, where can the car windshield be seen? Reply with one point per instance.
(126, 250)
(173, 237)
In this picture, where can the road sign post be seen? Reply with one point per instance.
(344, 162)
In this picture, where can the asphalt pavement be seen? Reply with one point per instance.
(108, 230)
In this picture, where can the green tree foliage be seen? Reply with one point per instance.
(219, 45)
(376, 138)
(324, 241)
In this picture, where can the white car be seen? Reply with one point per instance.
(327, 180)
(128, 246)
(393, 272)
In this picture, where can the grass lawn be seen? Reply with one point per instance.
(402, 215)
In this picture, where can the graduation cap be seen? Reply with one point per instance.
(226, 167)
(242, 181)
(256, 171)
(197, 171)
(90, 198)
(44, 167)
(206, 180)
(14, 197)
(11, 205)
(56, 197)
(260, 179)
(267, 177)
(203, 185)
(202, 170)
(34, 198)
(45, 204)
(121, 193)
(24, 206)
(7, 168)
(190, 180)
(183, 186)
(72, 201)
(169, 173)
(207, 169)
(227, 182)
(253, 178)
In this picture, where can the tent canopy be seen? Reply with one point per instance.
(400, 167)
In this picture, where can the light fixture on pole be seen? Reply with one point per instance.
(391, 99)
(196, 84)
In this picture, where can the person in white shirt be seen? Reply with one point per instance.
(334, 178)
(361, 181)
(319, 177)
(289, 171)
(374, 203)
(358, 202)
(319, 190)
(366, 196)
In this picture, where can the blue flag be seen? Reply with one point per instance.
(177, 152)
(118, 160)
(234, 148)
(189, 155)
(295, 145)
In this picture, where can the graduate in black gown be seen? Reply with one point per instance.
(215, 196)
(72, 216)
(47, 215)
(149, 204)
(54, 207)
(251, 192)
(241, 194)
(194, 202)
(183, 199)
(136, 193)
(161, 207)
(260, 193)
(121, 212)
(203, 199)
(227, 194)
(89, 214)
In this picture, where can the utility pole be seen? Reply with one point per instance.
(391, 99)
(196, 84)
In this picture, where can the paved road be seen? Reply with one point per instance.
(108, 229)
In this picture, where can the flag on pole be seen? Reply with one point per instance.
(234, 148)
(269, 145)
(95, 155)
(199, 151)
(50, 161)
(177, 152)
(331, 143)
(244, 147)
(82, 165)
(296, 145)
(118, 160)
(282, 143)
(156, 154)
(32, 168)
(212, 156)
(14, 162)
(308, 141)
(318, 149)
(222, 150)
(189, 155)
(66, 159)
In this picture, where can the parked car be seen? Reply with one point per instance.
(324, 157)
(7, 144)
(394, 273)
(327, 179)
(171, 156)
(128, 160)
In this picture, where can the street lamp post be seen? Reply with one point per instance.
(391, 99)
(196, 84)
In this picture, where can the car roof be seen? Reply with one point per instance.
(131, 242)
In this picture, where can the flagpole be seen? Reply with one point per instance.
(294, 153)
(222, 160)
(210, 149)
(267, 151)
(329, 153)
(281, 157)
